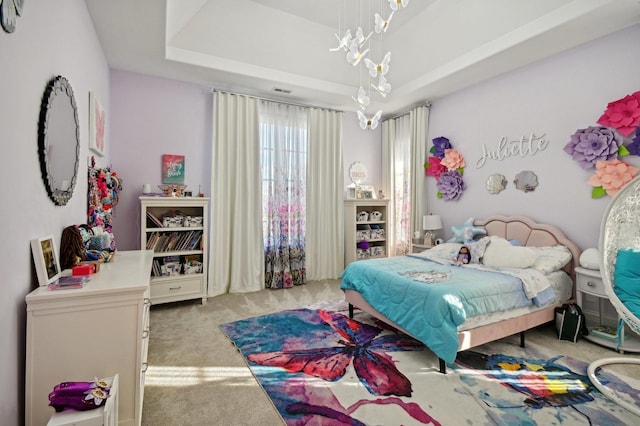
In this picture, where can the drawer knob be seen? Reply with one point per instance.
(590, 283)
(145, 333)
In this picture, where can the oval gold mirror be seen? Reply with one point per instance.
(59, 140)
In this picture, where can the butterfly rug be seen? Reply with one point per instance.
(319, 367)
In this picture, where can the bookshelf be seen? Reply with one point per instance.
(176, 229)
(365, 221)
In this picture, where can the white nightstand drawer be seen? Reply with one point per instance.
(591, 285)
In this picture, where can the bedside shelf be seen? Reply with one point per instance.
(595, 305)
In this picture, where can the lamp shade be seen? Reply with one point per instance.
(431, 222)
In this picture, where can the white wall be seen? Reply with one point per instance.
(554, 97)
(51, 38)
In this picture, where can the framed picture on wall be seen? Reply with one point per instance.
(46, 259)
(97, 119)
(173, 169)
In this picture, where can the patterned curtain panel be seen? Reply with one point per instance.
(402, 184)
(283, 141)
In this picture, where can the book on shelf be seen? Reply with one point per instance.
(154, 220)
(605, 332)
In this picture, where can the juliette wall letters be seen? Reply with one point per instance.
(506, 148)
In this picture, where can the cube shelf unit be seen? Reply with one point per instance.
(365, 220)
(176, 229)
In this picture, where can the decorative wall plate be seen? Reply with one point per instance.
(526, 181)
(496, 183)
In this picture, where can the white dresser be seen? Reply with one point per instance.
(99, 330)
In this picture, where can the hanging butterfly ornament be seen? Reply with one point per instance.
(382, 68)
(343, 43)
(357, 47)
(354, 55)
(369, 123)
(382, 87)
(393, 4)
(362, 100)
(382, 25)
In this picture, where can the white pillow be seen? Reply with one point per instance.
(477, 249)
(444, 252)
(501, 254)
(550, 259)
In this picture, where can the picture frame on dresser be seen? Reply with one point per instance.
(45, 258)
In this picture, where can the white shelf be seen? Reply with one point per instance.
(352, 225)
(595, 305)
(174, 288)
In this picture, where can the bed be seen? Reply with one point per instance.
(389, 290)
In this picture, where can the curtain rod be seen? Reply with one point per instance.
(273, 100)
(426, 104)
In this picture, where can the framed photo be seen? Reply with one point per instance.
(173, 169)
(46, 260)
(97, 119)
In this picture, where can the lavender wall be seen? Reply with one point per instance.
(51, 38)
(150, 117)
(554, 97)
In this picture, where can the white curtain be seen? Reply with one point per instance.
(325, 233)
(403, 157)
(236, 261)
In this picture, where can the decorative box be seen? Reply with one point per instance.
(362, 253)
(363, 234)
(190, 221)
(377, 251)
(172, 220)
(375, 215)
(377, 234)
(362, 216)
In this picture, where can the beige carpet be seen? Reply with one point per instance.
(197, 377)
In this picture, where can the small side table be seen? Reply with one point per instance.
(589, 282)
(106, 415)
(417, 248)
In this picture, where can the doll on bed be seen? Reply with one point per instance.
(463, 257)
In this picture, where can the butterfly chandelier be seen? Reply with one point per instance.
(358, 54)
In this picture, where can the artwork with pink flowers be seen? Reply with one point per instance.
(447, 165)
(97, 121)
(602, 148)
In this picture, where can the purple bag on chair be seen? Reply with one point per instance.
(79, 396)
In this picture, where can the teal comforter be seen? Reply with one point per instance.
(430, 300)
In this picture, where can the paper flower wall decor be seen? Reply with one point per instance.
(447, 165)
(600, 147)
(610, 177)
(623, 114)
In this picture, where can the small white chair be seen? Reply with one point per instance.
(620, 229)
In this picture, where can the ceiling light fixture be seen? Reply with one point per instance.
(359, 46)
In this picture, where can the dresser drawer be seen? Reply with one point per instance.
(172, 288)
(592, 285)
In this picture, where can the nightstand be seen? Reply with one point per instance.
(594, 302)
(417, 248)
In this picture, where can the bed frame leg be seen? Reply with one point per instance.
(350, 311)
(443, 366)
(522, 339)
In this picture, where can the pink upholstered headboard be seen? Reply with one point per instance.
(530, 233)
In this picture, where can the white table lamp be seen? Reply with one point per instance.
(431, 223)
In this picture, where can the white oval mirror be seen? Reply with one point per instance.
(358, 173)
